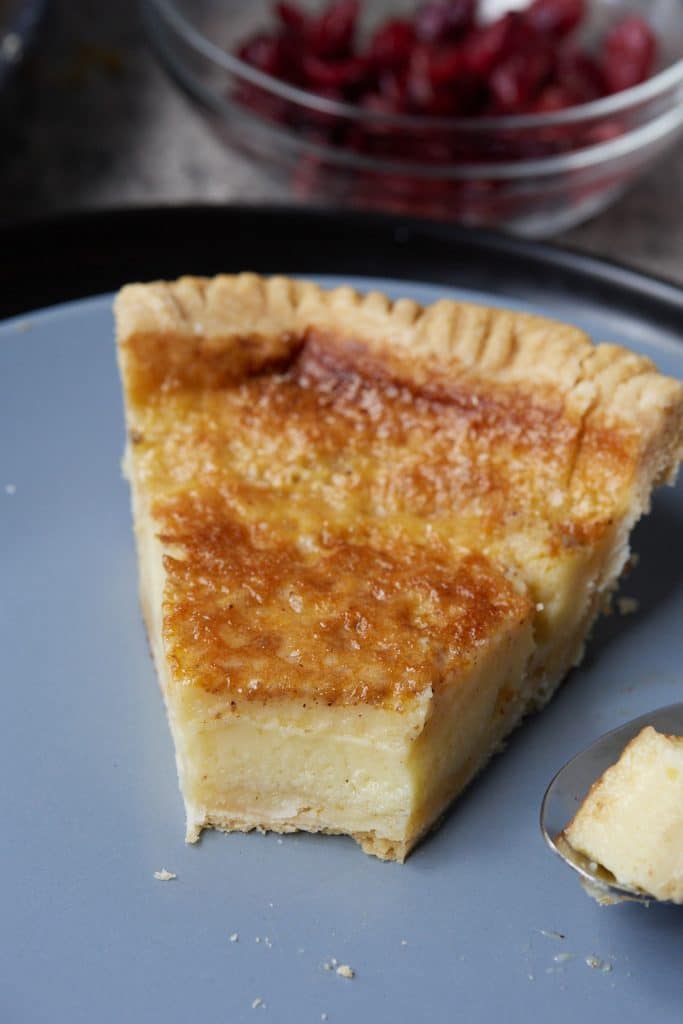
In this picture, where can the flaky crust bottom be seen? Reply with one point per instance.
(370, 842)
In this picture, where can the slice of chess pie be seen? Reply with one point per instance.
(371, 536)
(631, 822)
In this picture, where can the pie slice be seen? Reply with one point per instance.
(631, 822)
(371, 536)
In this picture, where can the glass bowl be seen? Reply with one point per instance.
(535, 174)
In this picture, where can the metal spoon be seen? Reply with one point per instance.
(568, 789)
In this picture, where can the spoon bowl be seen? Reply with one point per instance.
(570, 786)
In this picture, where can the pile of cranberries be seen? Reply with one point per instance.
(445, 62)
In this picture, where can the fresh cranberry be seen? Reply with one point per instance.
(393, 90)
(392, 44)
(487, 45)
(422, 92)
(579, 74)
(439, 63)
(518, 79)
(342, 75)
(551, 99)
(263, 52)
(446, 64)
(555, 17)
(331, 35)
(443, 22)
(605, 131)
(292, 17)
(439, 82)
(628, 54)
(262, 102)
(379, 104)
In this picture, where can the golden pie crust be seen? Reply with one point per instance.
(351, 506)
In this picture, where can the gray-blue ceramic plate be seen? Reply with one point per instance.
(481, 923)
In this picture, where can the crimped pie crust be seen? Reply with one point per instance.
(453, 337)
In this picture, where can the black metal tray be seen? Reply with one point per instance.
(81, 254)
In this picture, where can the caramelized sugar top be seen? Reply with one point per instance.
(334, 526)
(331, 620)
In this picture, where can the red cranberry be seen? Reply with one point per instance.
(262, 102)
(342, 75)
(552, 99)
(446, 64)
(264, 52)
(440, 62)
(292, 17)
(486, 46)
(440, 83)
(422, 92)
(443, 22)
(378, 103)
(332, 34)
(518, 79)
(393, 90)
(392, 44)
(628, 54)
(579, 75)
(605, 131)
(555, 17)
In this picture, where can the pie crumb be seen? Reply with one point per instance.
(345, 971)
(627, 605)
(597, 964)
(164, 875)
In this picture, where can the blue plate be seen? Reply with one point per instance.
(480, 924)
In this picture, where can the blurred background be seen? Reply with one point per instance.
(91, 119)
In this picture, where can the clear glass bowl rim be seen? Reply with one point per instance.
(665, 80)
